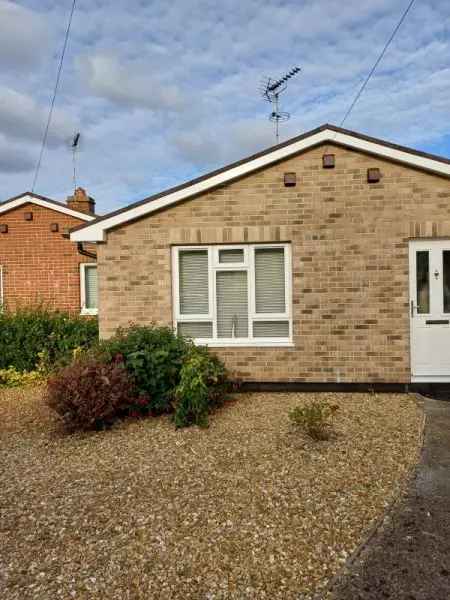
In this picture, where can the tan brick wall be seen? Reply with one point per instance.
(40, 266)
(350, 262)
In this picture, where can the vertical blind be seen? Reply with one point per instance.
(232, 304)
(269, 280)
(199, 329)
(193, 267)
(270, 329)
(232, 255)
(90, 286)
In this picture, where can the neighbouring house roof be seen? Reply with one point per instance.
(30, 197)
(95, 231)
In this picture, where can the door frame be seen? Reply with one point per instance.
(413, 246)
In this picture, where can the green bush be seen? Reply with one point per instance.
(33, 336)
(153, 356)
(314, 418)
(203, 386)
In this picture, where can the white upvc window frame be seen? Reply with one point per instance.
(2, 299)
(248, 265)
(84, 310)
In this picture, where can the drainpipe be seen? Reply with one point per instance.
(84, 252)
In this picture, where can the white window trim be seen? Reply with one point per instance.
(1, 289)
(84, 310)
(247, 265)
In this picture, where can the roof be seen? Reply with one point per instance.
(95, 231)
(30, 197)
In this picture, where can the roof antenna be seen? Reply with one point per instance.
(270, 90)
(75, 147)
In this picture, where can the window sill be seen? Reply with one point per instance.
(244, 343)
(93, 312)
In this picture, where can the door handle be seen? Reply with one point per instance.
(412, 309)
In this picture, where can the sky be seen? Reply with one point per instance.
(165, 91)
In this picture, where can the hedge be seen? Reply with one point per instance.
(32, 336)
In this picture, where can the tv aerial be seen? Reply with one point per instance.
(74, 145)
(270, 90)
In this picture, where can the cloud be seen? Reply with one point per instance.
(127, 83)
(223, 144)
(21, 118)
(13, 159)
(24, 36)
(165, 91)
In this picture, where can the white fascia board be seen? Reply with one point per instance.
(383, 151)
(38, 201)
(96, 231)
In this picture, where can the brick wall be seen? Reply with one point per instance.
(350, 261)
(39, 265)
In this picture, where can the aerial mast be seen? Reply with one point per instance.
(270, 91)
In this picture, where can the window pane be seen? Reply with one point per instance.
(271, 329)
(232, 304)
(446, 279)
(423, 281)
(233, 255)
(202, 329)
(270, 280)
(90, 287)
(193, 269)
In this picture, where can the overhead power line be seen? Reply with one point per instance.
(379, 59)
(53, 100)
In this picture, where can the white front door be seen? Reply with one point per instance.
(429, 265)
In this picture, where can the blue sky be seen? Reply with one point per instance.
(165, 91)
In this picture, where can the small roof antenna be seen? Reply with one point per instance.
(270, 90)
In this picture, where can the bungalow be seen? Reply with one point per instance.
(322, 259)
(38, 265)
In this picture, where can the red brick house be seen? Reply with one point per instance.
(325, 259)
(38, 263)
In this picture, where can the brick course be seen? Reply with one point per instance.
(350, 261)
(40, 266)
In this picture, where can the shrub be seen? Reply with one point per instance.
(153, 356)
(13, 378)
(90, 394)
(31, 336)
(203, 385)
(314, 418)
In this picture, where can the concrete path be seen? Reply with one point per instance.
(409, 557)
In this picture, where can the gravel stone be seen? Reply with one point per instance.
(249, 508)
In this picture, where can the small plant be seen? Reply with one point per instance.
(203, 386)
(314, 418)
(90, 394)
(13, 378)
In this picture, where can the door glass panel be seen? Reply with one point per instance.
(446, 279)
(423, 281)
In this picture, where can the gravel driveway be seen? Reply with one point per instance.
(409, 556)
(247, 509)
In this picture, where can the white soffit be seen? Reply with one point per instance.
(96, 231)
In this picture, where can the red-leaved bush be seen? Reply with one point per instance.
(90, 394)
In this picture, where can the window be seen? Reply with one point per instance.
(233, 295)
(88, 287)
